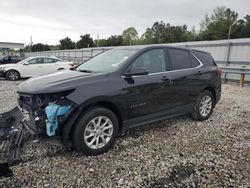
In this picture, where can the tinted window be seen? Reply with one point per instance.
(206, 58)
(36, 61)
(194, 61)
(49, 60)
(180, 59)
(14, 58)
(153, 60)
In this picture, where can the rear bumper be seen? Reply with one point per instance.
(218, 95)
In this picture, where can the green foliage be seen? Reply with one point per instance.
(85, 41)
(129, 35)
(114, 40)
(241, 28)
(219, 25)
(27, 48)
(165, 33)
(66, 43)
(37, 47)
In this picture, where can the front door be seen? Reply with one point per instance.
(147, 94)
(33, 67)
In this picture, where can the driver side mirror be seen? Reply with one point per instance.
(136, 71)
(26, 63)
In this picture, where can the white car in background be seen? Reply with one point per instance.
(33, 66)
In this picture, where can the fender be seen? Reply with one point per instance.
(78, 111)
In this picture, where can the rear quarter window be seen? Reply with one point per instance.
(194, 61)
(205, 58)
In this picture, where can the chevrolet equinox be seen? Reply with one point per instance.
(119, 89)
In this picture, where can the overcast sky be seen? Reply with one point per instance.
(48, 21)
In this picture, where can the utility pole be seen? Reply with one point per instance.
(97, 41)
(31, 43)
(229, 32)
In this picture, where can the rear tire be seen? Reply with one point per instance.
(95, 132)
(204, 106)
(13, 75)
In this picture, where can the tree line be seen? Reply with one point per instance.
(223, 23)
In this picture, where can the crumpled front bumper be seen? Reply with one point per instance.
(2, 73)
(11, 134)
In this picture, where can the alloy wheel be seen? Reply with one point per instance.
(205, 105)
(13, 75)
(98, 132)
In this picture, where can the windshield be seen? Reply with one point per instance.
(107, 61)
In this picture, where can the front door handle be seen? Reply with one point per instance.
(166, 78)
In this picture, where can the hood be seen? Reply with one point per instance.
(57, 82)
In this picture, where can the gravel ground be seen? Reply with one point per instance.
(178, 152)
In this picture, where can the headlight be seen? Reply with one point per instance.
(2, 68)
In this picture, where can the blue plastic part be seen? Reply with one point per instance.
(52, 111)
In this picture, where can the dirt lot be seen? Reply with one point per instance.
(178, 152)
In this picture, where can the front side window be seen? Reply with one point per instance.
(153, 60)
(107, 61)
(180, 59)
(36, 61)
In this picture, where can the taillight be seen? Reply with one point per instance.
(71, 64)
(219, 72)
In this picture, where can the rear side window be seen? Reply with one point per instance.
(180, 59)
(205, 58)
(49, 60)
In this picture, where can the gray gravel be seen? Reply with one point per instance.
(178, 152)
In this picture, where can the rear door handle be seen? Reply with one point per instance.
(198, 73)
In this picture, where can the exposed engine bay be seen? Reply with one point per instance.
(42, 114)
(46, 112)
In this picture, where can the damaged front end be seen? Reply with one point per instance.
(11, 134)
(47, 112)
(42, 114)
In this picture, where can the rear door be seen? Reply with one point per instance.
(187, 76)
(50, 65)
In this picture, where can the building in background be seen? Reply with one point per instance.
(10, 48)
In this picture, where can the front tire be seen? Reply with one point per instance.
(95, 132)
(204, 106)
(13, 75)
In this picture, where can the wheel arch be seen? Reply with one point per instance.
(212, 90)
(79, 111)
(13, 69)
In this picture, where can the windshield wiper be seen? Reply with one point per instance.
(88, 71)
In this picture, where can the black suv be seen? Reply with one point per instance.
(120, 89)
